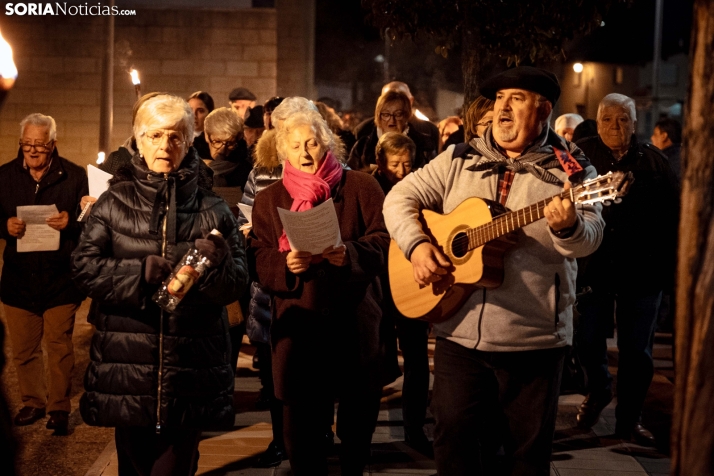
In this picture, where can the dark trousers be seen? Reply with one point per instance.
(265, 356)
(483, 400)
(413, 336)
(141, 452)
(305, 431)
(636, 319)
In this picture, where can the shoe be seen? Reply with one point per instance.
(590, 409)
(636, 433)
(59, 421)
(29, 415)
(272, 456)
(418, 441)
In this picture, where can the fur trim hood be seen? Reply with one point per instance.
(266, 154)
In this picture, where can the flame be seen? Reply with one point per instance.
(8, 70)
(134, 77)
(420, 115)
(100, 158)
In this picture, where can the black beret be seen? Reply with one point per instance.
(253, 117)
(523, 77)
(241, 93)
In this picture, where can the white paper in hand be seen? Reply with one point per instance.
(39, 236)
(98, 181)
(313, 230)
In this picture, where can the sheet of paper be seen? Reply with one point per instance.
(98, 181)
(313, 230)
(247, 211)
(38, 234)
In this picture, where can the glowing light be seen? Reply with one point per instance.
(420, 115)
(8, 70)
(134, 77)
(578, 67)
(100, 158)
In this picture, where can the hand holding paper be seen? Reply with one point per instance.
(313, 230)
(39, 234)
(15, 227)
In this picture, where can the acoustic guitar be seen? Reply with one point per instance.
(475, 236)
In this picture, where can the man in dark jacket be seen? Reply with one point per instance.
(36, 290)
(629, 271)
(667, 136)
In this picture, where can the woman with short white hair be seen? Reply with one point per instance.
(159, 377)
(325, 304)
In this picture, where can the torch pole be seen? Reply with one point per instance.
(106, 105)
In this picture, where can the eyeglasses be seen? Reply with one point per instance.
(385, 116)
(484, 124)
(228, 144)
(27, 146)
(156, 137)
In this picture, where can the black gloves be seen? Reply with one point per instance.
(213, 247)
(156, 269)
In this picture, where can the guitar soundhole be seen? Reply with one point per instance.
(460, 245)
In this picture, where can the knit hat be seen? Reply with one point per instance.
(567, 121)
(253, 117)
(529, 78)
(241, 93)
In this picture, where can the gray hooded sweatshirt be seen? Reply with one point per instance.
(533, 308)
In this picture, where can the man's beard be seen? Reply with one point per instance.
(505, 134)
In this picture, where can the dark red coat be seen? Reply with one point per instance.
(327, 323)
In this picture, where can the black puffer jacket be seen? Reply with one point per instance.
(127, 224)
(40, 280)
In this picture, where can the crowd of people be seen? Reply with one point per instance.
(324, 323)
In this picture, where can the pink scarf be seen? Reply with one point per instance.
(308, 190)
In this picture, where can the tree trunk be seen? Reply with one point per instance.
(471, 66)
(692, 435)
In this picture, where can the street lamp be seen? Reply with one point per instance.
(8, 70)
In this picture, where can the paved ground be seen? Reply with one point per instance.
(576, 452)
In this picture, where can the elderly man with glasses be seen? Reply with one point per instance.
(229, 152)
(39, 298)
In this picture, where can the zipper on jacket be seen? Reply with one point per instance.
(161, 318)
(37, 187)
(480, 318)
(557, 302)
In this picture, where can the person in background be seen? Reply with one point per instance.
(240, 100)
(587, 128)
(159, 377)
(268, 108)
(229, 153)
(565, 125)
(325, 335)
(428, 132)
(447, 127)
(628, 272)
(395, 158)
(478, 118)
(667, 137)
(253, 129)
(335, 124)
(391, 114)
(39, 298)
(201, 104)
(498, 359)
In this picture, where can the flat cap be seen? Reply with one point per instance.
(253, 117)
(529, 78)
(241, 93)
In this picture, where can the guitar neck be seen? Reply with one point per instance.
(508, 222)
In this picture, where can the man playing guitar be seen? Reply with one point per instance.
(498, 359)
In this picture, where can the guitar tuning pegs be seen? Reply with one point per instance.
(618, 200)
(607, 203)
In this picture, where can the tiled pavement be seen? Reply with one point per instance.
(575, 452)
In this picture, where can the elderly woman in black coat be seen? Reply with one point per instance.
(159, 377)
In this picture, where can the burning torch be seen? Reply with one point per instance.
(137, 83)
(8, 71)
